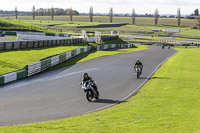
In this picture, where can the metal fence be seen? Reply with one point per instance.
(37, 44)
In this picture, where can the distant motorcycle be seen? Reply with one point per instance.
(90, 91)
(138, 71)
(2, 35)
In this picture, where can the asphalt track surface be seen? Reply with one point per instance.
(57, 94)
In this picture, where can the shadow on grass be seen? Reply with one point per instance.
(109, 101)
(159, 78)
(154, 78)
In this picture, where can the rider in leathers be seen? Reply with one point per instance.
(88, 78)
(138, 63)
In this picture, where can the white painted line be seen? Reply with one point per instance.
(47, 79)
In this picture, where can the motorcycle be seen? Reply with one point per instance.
(138, 71)
(2, 35)
(90, 90)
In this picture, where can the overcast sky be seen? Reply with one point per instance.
(103, 6)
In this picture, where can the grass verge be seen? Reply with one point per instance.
(15, 60)
(169, 102)
(12, 38)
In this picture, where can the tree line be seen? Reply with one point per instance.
(58, 11)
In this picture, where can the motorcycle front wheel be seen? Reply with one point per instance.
(89, 95)
(138, 75)
(97, 94)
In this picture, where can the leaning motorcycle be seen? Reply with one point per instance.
(90, 91)
(138, 71)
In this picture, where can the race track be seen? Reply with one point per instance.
(57, 94)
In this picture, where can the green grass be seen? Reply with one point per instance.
(142, 39)
(18, 24)
(63, 23)
(15, 60)
(117, 41)
(169, 102)
(143, 25)
(186, 31)
(105, 19)
(13, 38)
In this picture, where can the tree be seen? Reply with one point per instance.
(16, 12)
(70, 14)
(33, 12)
(179, 16)
(196, 12)
(198, 21)
(133, 16)
(156, 16)
(91, 14)
(111, 15)
(52, 13)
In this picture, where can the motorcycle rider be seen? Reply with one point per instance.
(3, 34)
(138, 64)
(86, 78)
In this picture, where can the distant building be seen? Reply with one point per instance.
(191, 17)
(172, 30)
(172, 16)
(163, 16)
(156, 30)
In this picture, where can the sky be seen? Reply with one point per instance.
(102, 6)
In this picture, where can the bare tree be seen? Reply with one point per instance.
(111, 15)
(33, 12)
(16, 12)
(179, 16)
(70, 14)
(156, 16)
(52, 13)
(133, 16)
(91, 14)
(198, 21)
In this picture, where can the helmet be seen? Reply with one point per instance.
(137, 60)
(85, 75)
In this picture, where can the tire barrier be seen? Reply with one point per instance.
(42, 65)
(6, 78)
(110, 46)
